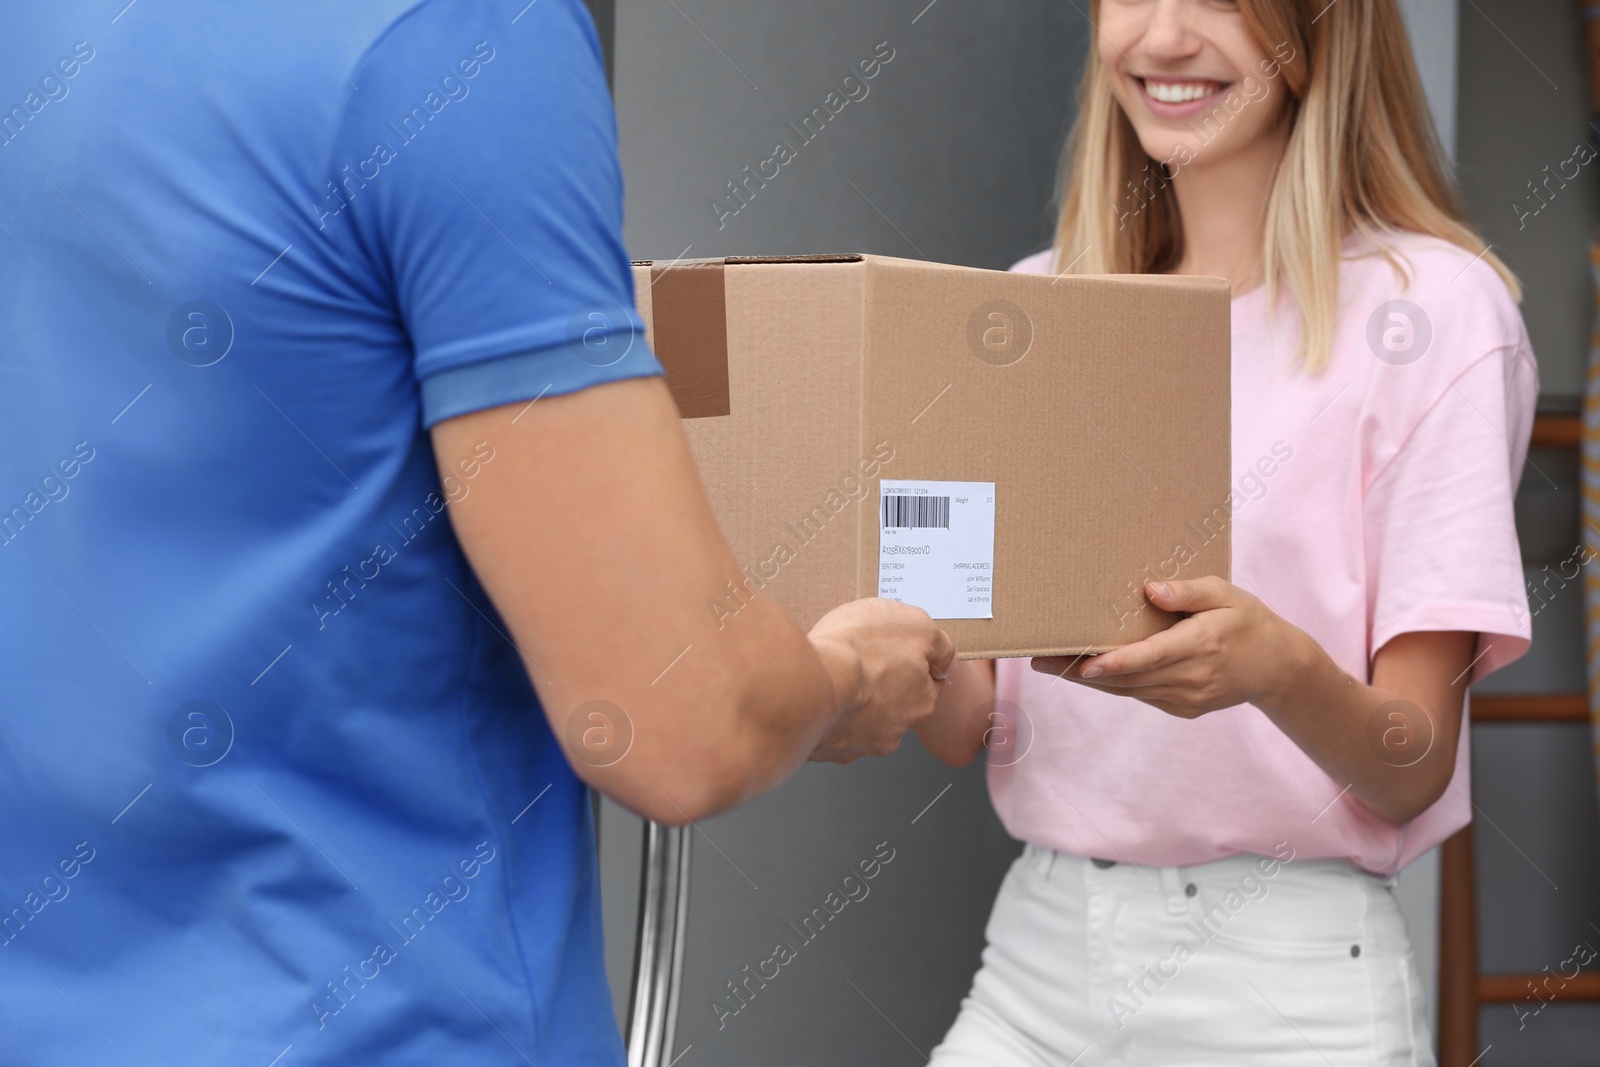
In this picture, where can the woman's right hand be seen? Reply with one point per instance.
(888, 662)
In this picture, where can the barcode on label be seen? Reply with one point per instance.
(916, 512)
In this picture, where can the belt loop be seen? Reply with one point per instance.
(1172, 883)
(1050, 864)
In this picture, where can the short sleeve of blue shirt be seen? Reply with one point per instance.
(481, 188)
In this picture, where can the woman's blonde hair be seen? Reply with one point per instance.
(1362, 158)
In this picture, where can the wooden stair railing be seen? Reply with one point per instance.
(1463, 990)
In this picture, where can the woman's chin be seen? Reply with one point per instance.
(1168, 149)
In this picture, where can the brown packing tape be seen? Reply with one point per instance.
(689, 327)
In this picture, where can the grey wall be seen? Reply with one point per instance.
(1524, 104)
(951, 156)
(1434, 26)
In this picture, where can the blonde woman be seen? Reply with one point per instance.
(1214, 816)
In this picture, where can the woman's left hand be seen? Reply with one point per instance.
(1232, 649)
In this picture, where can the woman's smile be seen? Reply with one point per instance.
(1178, 97)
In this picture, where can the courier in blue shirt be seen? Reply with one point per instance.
(324, 433)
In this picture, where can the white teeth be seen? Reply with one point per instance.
(1178, 92)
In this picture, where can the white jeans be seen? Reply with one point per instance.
(1226, 964)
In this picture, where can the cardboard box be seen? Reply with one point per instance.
(814, 388)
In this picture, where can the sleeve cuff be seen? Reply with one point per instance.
(525, 376)
(1503, 634)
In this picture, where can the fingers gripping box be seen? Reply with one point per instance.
(1015, 453)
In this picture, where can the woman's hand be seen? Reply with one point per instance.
(1392, 741)
(1232, 649)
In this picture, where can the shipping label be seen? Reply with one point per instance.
(936, 547)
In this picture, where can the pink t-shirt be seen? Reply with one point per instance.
(1369, 500)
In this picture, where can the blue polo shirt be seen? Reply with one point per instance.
(274, 784)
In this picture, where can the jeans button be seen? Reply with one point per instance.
(1104, 865)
